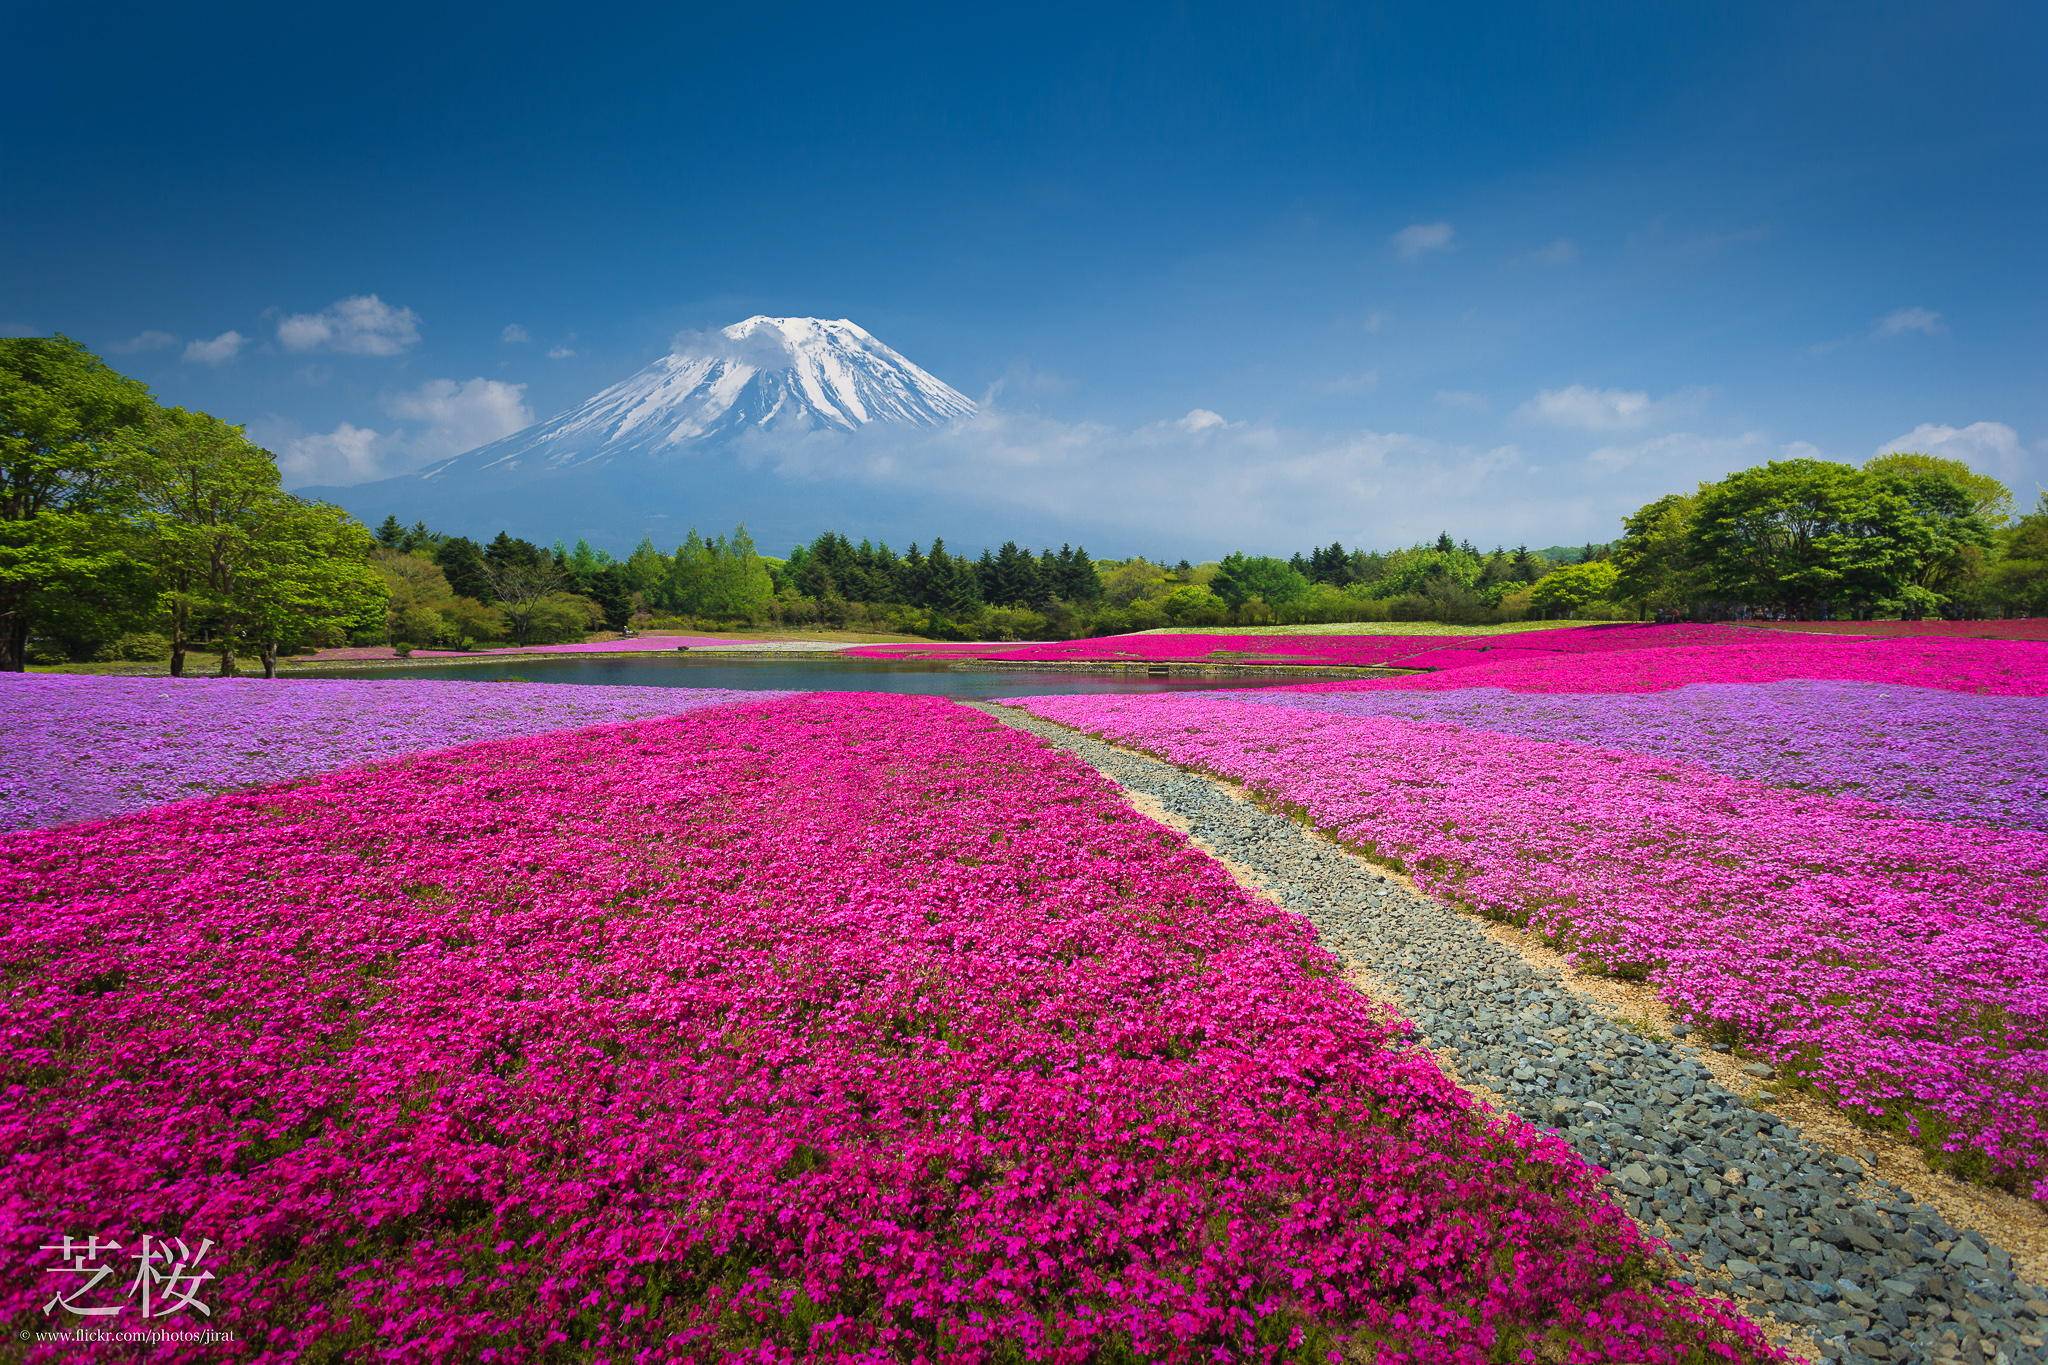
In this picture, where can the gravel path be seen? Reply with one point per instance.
(1798, 1233)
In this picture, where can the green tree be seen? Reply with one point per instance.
(1655, 556)
(1803, 535)
(646, 569)
(1950, 501)
(1241, 577)
(1191, 604)
(205, 491)
(1573, 587)
(69, 430)
(1989, 498)
(726, 579)
(2019, 576)
(308, 578)
(462, 560)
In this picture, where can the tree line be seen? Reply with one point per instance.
(130, 528)
(1902, 535)
(452, 591)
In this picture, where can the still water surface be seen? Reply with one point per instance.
(806, 673)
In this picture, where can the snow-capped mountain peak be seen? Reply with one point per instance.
(761, 374)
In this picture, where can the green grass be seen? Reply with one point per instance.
(196, 666)
(1371, 628)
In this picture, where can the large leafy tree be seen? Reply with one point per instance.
(2019, 578)
(1802, 535)
(1654, 557)
(1904, 533)
(1572, 587)
(1987, 496)
(308, 579)
(1241, 577)
(69, 430)
(205, 492)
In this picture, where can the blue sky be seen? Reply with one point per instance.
(1505, 270)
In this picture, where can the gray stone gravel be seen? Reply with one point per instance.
(1799, 1232)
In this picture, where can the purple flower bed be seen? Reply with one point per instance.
(86, 747)
(1950, 755)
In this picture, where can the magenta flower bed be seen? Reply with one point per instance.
(1899, 963)
(1621, 658)
(831, 1026)
(2019, 628)
(1949, 755)
(81, 747)
(1995, 667)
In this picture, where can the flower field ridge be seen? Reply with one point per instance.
(1898, 963)
(83, 747)
(1599, 658)
(833, 1025)
(1944, 754)
(1663, 657)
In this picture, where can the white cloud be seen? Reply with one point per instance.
(1022, 378)
(1801, 450)
(1420, 239)
(1900, 321)
(347, 454)
(1562, 251)
(514, 334)
(1679, 459)
(218, 351)
(362, 325)
(1988, 447)
(1243, 483)
(560, 352)
(1376, 321)
(1201, 419)
(145, 341)
(1360, 381)
(1463, 399)
(459, 415)
(1588, 409)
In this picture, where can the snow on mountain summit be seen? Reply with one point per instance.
(761, 374)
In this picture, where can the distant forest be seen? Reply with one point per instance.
(455, 590)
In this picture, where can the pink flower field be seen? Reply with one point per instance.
(841, 1025)
(83, 747)
(1892, 952)
(1619, 658)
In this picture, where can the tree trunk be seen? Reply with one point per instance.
(14, 643)
(178, 612)
(269, 656)
(227, 659)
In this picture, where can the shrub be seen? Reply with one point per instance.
(138, 646)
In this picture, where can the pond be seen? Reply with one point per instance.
(804, 673)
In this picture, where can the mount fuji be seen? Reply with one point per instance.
(681, 443)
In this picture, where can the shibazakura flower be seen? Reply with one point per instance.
(831, 1026)
(1950, 755)
(1621, 658)
(82, 747)
(1898, 962)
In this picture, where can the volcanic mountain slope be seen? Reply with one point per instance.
(666, 448)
